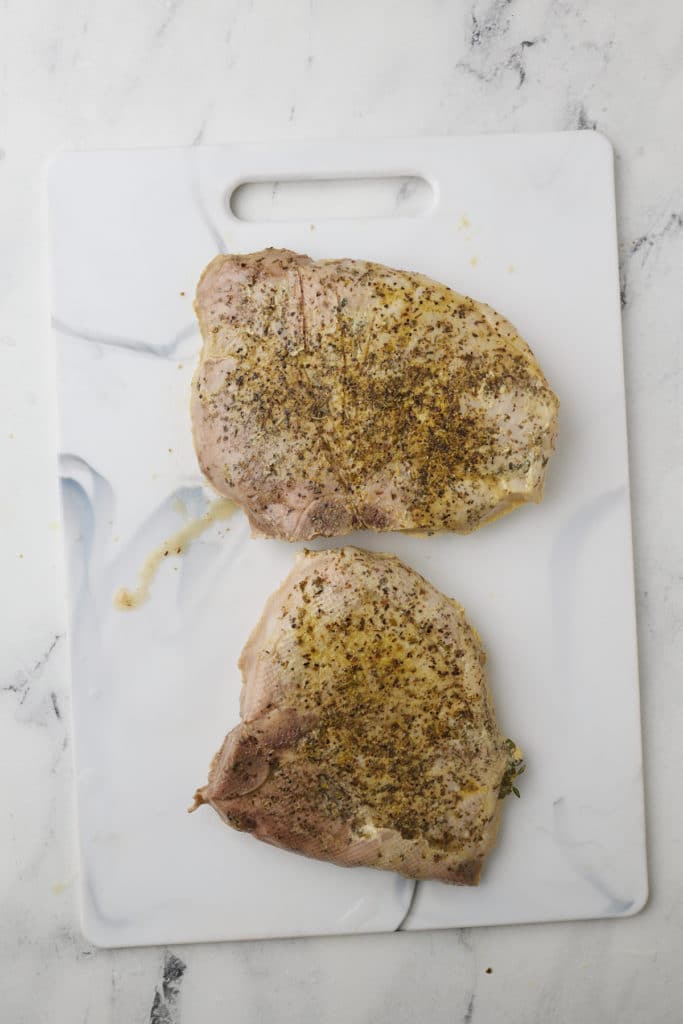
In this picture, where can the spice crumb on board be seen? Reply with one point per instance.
(489, 970)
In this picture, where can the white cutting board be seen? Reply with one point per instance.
(526, 223)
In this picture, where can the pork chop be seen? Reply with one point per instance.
(368, 734)
(339, 395)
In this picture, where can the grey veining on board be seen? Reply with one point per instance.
(567, 640)
(176, 347)
(74, 76)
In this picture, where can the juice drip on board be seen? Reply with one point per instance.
(218, 510)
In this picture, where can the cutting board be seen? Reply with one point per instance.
(525, 223)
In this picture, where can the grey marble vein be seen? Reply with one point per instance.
(513, 60)
(172, 7)
(492, 54)
(176, 347)
(35, 703)
(55, 704)
(564, 560)
(199, 134)
(580, 119)
(489, 21)
(636, 254)
(200, 203)
(614, 904)
(403, 923)
(165, 1008)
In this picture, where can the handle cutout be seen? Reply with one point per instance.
(317, 199)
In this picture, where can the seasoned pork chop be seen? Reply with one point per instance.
(338, 395)
(368, 734)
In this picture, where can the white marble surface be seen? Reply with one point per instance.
(79, 75)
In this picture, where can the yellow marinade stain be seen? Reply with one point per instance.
(125, 599)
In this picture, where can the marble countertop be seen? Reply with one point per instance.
(84, 76)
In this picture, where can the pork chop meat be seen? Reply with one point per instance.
(368, 734)
(339, 394)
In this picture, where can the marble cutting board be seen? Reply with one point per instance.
(526, 223)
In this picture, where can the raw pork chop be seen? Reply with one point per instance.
(337, 395)
(368, 734)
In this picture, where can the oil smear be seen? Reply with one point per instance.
(125, 599)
